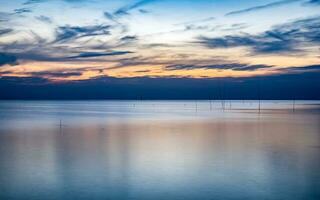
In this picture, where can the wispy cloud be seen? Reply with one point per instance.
(44, 19)
(29, 2)
(5, 31)
(208, 19)
(55, 74)
(22, 10)
(314, 2)
(127, 8)
(67, 33)
(299, 69)
(285, 38)
(110, 17)
(34, 2)
(261, 7)
(128, 39)
(100, 54)
(232, 66)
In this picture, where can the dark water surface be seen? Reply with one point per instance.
(188, 150)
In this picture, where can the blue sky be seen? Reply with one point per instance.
(67, 40)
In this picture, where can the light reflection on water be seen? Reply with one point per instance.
(159, 150)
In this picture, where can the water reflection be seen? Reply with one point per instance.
(218, 155)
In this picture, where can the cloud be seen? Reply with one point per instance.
(128, 39)
(44, 19)
(284, 38)
(235, 27)
(97, 54)
(5, 16)
(197, 21)
(126, 9)
(77, 1)
(34, 2)
(300, 69)
(227, 41)
(29, 2)
(143, 11)
(314, 2)
(55, 74)
(7, 59)
(232, 66)
(18, 12)
(261, 7)
(67, 33)
(22, 10)
(110, 17)
(5, 31)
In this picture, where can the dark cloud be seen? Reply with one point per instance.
(196, 27)
(309, 68)
(67, 33)
(40, 55)
(152, 45)
(232, 66)
(7, 59)
(314, 2)
(143, 11)
(5, 31)
(18, 12)
(99, 54)
(228, 41)
(208, 27)
(128, 39)
(126, 9)
(110, 17)
(261, 7)
(55, 74)
(49, 56)
(285, 38)
(236, 27)
(44, 19)
(34, 2)
(77, 1)
(143, 71)
(22, 10)
(29, 2)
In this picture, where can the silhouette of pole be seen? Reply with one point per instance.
(60, 126)
(196, 105)
(259, 94)
(222, 96)
(294, 105)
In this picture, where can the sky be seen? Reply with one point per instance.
(84, 41)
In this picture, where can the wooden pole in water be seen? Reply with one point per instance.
(259, 93)
(259, 106)
(196, 105)
(223, 94)
(60, 126)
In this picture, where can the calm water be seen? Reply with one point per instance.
(159, 150)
